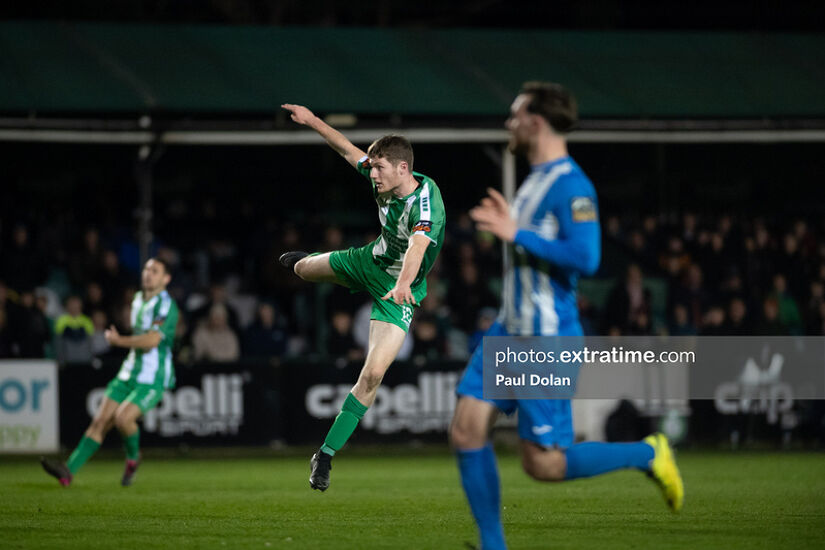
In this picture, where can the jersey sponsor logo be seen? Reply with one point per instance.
(423, 226)
(583, 209)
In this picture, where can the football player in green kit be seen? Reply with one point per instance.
(392, 269)
(144, 375)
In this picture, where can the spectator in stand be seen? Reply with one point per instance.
(32, 331)
(217, 296)
(675, 259)
(94, 298)
(681, 325)
(214, 340)
(74, 333)
(770, 325)
(22, 265)
(100, 346)
(789, 315)
(805, 238)
(340, 343)
(760, 259)
(266, 337)
(714, 258)
(738, 323)
(731, 286)
(640, 250)
(713, 322)
(814, 308)
(792, 266)
(689, 232)
(112, 279)
(628, 305)
(473, 295)
(87, 262)
(42, 302)
(429, 344)
(692, 294)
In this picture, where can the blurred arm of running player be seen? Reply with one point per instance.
(580, 250)
(147, 340)
(401, 293)
(333, 137)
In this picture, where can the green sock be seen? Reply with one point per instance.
(346, 421)
(131, 444)
(83, 452)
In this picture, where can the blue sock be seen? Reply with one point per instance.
(594, 458)
(479, 477)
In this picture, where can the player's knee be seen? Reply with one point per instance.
(122, 421)
(464, 435)
(371, 378)
(100, 426)
(544, 465)
(301, 268)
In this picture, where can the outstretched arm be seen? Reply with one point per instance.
(333, 137)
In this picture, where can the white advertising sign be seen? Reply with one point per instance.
(28, 406)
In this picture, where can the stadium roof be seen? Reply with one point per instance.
(96, 70)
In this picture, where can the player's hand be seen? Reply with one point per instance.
(400, 294)
(112, 335)
(493, 215)
(299, 113)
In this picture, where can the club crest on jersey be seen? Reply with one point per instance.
(426, 226)
(583, 209)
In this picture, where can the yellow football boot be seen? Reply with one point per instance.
(664, 471)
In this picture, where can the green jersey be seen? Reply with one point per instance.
(152, 366)
(419, 213)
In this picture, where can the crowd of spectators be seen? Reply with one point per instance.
(721, 276)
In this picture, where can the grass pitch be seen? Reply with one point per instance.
(741, 500)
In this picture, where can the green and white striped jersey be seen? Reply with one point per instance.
(419, 213)
(152, 366)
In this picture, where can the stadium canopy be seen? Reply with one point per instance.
(84, 76)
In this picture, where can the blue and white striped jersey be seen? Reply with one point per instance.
(558, 239)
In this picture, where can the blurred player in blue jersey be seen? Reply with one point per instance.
(552, 229)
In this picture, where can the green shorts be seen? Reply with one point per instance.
(356, 268)
(145, 396)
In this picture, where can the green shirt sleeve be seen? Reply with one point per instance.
(427, 217)
(166, 319)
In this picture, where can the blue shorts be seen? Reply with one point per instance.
(547, 422)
